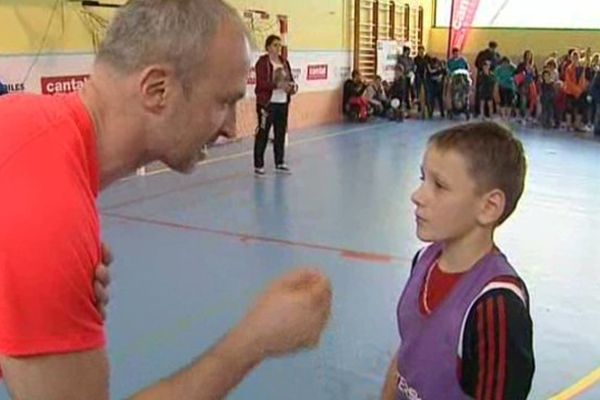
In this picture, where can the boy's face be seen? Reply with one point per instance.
(546, 77)
(447, 204)
(575, 58)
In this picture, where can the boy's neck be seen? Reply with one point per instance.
(460, 255)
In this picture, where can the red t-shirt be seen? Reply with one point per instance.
(49, 226)
(437, 286)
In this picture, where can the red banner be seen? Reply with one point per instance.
(62, 84)
(317, 72)
(463, 14)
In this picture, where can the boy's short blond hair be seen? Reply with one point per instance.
(495, 158)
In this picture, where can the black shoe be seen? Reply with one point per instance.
(283, 169)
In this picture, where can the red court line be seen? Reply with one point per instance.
(369, 257)
(176, 190)
(351, 254)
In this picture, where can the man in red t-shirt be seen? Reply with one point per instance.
(158, 91)
(49, 236)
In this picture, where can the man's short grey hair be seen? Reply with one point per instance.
(144, 32)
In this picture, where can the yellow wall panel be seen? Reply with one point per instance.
(52, 26)
(512, 42)
(313, 24)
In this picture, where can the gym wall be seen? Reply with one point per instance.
(47, 46)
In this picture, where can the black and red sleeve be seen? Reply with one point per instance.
(497, 353)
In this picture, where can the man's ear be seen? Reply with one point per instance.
(156, 83)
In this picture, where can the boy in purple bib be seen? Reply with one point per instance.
(463, 318)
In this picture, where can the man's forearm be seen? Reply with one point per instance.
(212, 376)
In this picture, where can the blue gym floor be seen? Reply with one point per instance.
(193, 251)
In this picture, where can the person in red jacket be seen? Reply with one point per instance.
(274, 87)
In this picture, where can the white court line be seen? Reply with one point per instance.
(249, 152)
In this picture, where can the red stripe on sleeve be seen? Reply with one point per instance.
(481, 351)
(501, 348)
(491, 339)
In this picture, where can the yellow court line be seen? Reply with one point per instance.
(581, 386)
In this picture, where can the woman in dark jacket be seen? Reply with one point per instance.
(274, 87)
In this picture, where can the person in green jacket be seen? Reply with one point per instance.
(505, 73)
